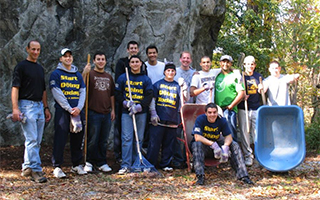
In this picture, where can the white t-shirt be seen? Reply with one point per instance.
(278, 90)
(155, 72)
(200, 79)
(187, 76)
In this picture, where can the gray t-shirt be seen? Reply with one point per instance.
(278, 90)
(187, 76)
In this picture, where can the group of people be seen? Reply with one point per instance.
(152, 93)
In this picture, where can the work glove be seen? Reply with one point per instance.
(135, 108)
(127, 104)
(225, 154)
(182, 83)
(216, 150)
(22, 119)
(154, 118)
(75, 124)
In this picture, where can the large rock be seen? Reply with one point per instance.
(107, 25)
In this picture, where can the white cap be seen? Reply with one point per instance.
(226, 57)
(65, 50)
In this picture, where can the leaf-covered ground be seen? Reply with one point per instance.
(300, 183)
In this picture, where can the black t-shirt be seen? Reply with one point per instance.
(29, 77)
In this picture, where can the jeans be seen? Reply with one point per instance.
(129, 148)
(33, 132)
(179, 155)
(231, 117)
(98, 132)
(164, 138)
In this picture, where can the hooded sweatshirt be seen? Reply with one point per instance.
(68, 88)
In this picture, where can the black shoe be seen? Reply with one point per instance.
(200, 180)
(246, 180)
(180, 166)
(38, 177)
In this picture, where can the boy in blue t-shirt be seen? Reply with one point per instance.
(207, 137)
(69, 92)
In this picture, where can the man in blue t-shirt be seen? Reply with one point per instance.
(253, 99)
(69, 93)
(212, 132)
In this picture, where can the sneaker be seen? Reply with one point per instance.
(58, 173)
(38, 177)
(246, 180)
(123, 170)
(167, 169)
(88, 167)
(105, 168)
(248, 161)
(26, 172)
(78, 170)
(200, 180)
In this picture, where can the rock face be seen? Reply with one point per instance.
(106, 25)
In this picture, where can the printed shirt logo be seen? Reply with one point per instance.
(102, 83)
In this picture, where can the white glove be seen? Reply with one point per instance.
(182, 83)
(75, 124)
(154, 118)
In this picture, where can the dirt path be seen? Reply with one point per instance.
(301, 183)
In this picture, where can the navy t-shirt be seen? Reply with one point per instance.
(211, 131)
(167, 95)
(252, 83)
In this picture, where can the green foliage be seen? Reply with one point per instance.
(312, 134)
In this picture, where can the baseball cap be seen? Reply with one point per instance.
(64, 51)
(226, 57)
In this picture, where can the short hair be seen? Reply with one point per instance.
(274, 62)
(99, 53)
(135, 56)
(28, 45)
(185, 52)
(210, 105)
(205, 57)
(151, 47)
(132, 42)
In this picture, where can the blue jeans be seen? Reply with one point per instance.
(32, 131)
(231, 117)
(129, 148)
(98, 133)
(164, 138)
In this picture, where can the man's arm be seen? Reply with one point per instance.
(240, 96)
(15, 106)
(45, 105)
(205, 141)
(85, 72)
(194, 91)
(113, 115)
(227, 140)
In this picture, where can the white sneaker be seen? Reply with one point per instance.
(58, 173)
(78, 169)
(168, 169)
(248, 161)
(88, 167)
(123, 170)
(105, 168)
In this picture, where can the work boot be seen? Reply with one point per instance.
(38, 177)
(26, 172)
(246, 180)
(200, 180)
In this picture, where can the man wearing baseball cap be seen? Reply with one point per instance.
(68, 90)
(229, 92)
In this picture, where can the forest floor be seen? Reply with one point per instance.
(302, 182)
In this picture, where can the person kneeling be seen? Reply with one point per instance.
(206, 136)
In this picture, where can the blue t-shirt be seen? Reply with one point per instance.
(252, 83)
(69, 83)
(167, 96)
(211, 131)
(140, 85)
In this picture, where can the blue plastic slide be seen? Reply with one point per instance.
(280, 141)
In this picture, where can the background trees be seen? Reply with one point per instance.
(287, 31)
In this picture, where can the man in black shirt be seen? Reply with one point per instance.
(29, 100)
